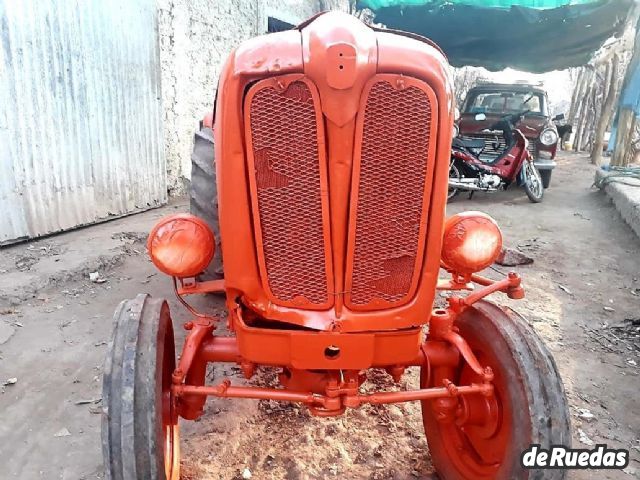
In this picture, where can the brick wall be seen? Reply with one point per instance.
(195, 39)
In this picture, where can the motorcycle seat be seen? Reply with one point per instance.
(468, 142)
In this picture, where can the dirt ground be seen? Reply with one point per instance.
(55, 324)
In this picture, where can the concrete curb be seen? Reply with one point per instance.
(625, 194)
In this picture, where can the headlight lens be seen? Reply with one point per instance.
(456, 130)
(548, 137)
(181, 245)
(472, 241)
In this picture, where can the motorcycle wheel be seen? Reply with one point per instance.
(532, 182)
(454, 174)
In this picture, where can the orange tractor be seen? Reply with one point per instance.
(332, 148)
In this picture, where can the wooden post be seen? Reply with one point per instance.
(592, 112)
(575, 119)
(577, 95)
(629, 98)
(583, 109)
(607, 109)
(626, 126)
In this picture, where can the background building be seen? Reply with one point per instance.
(99, 100)
(195, 38)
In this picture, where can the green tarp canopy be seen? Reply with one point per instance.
(531, 35)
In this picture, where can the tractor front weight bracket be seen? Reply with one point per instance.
(440, 353)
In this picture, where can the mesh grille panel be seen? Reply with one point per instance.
(393, 168)
(287, 175)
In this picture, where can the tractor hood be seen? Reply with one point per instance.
(332, 147)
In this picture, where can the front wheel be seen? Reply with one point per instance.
(140, 433)
(454, 174)
(489, 434)
(532, 182)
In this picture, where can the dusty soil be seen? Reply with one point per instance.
(583, 284)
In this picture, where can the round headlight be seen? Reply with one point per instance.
(181, 245)
(548, 137)
(472, 241)
(456, 130)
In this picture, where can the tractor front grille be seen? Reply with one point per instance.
(285, 161)
(390, 190)
(387, 239)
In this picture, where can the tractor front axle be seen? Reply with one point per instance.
(336, 404)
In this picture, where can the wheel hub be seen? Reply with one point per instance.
(480, 413)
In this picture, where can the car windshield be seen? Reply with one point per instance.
(504, 103)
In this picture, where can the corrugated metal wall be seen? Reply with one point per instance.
(80, 113)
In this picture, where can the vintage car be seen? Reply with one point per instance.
(494, 101)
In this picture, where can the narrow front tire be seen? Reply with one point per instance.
(488, 435)
(140, 434)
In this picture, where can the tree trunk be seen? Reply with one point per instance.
(607, 110)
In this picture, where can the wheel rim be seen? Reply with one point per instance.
(170, 427)
(476, 442)
(454, 174)
(533, 180)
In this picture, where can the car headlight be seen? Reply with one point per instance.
(456, 130)
(548, 137)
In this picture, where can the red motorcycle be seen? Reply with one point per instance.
(467, 172)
